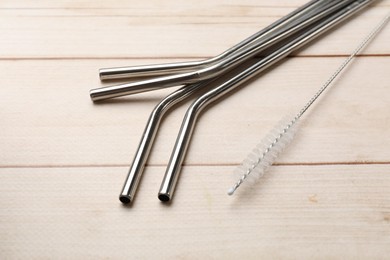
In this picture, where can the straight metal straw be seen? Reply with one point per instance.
(216, 69)
(172, 173)
(134, 175)
(170, 68)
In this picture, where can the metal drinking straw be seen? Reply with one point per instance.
(216, 69)
(137, 167)
(172, 173)
(134, 175)
(170, 68)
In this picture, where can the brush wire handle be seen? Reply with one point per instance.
(264, 155)
(182, 142)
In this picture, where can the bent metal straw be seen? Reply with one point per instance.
(174, 166)
(286, 36)
(170, 68)
(134, 175)
(221, 67)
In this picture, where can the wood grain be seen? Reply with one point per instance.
(306, 212)
(51, 117)
(63, 159)
(164, 36)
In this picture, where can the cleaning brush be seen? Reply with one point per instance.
(264, 154)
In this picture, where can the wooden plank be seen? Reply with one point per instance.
(47, 118)
(63, 159)
(296, 212)
(155, 8)
(152, 4)
(90, 33)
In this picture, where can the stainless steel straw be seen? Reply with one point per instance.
(172, 173)
(134, 175)
(170, 68)
(265, 153)
(216, 69)
(137, 167)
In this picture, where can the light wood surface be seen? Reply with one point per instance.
(63, 159)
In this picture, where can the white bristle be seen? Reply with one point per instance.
(265, 153)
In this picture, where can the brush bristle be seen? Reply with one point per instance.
(263, 156)
(265, 153)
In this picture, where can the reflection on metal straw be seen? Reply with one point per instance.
(134, 175)
(170, 68)
(172, 173)
(216, 69)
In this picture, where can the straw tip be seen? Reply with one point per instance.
(92, 94)
(104, 74)
(164, 197)
(125, 199)
(230, 191)
(96, 95)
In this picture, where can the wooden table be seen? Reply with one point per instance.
(63, 159)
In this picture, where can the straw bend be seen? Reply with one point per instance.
(221, 67)
(174, 166)
(179, 67)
